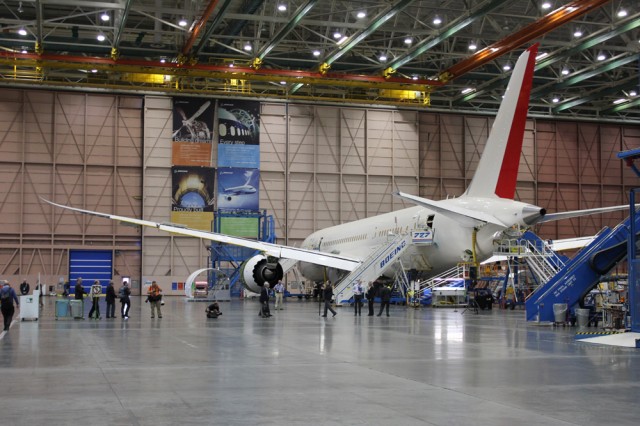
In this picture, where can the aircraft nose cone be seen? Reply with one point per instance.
(531, 214)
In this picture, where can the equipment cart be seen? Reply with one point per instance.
(62, 309)
(30, 306)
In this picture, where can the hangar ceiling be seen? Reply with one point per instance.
(384, 52)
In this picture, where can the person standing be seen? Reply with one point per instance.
(385, 298)
(125, 301)
(328, 295)
(79, 295)
(371, 294)
(95, 292)
(111, 300)
(7, 297)
(24, 288)
(155, 296)
(264, 301)
(358, 294)
(279, 289)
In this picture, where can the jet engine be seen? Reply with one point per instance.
(259, 270)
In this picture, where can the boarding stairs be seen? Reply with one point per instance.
(580, 274)
(457, 272)
(376, 264)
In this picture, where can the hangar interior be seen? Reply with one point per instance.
(356, 100)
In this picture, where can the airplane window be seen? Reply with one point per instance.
(233, 131)
(222, 129)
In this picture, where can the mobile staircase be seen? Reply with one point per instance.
(373, 266)
(581, 274)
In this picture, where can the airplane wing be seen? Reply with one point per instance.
(463, 216)
(577, 213)
(275, 250)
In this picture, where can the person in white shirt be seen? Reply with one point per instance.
(358, 294)
(96, 292)
(279, 289)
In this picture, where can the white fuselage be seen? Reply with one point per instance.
(452, 240)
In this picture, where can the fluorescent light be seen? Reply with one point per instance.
(467, 90)
(541, 55)
(342, 40)
(619, 101)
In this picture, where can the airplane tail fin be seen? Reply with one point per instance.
(497, 171)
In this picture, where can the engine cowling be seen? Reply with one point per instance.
(257, 271)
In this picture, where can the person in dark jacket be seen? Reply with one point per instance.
(371, 294)
(328, 295)
(125, 292)
(264, 301)
(7, 297)
(24, 288)
(79, 290)
(213, 310)
(385, 298)
(110, 298)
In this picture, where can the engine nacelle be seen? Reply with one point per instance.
(257, 271)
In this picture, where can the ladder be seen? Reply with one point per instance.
(379, 261)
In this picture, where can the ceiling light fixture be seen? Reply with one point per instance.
(408, 40)
(101, 37)
(622, 13)
(619, 101)
(182, 22)
(248, 47)
(105, 17)
(555, 100)
(577, 33)
(467, 90)
(337, 35)
(283, 82)
(473, 45)
(601, 56)
(342, 40)
(546, 5)
(541, 55)
(633, 93)
(565, 71)
(316, 53)
(507, 67)
(383, 58)
(22, 32)
(282, 7)
(437, 20)
(20, 9)
(361, 14)
(415, 77)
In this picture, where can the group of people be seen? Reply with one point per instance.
(95, 292)
(373, 291)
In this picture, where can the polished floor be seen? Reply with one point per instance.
(416, 367)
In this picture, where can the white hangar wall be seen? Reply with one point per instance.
(320, 166)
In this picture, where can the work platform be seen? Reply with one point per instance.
(424, 367)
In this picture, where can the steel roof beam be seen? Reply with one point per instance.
(38, 26)
(621, 107)
(356, 38)
(122, 17)
(428, 44)
(289, 26)
(212, 27)
(628, 84)
(186, 49)
(236, 28)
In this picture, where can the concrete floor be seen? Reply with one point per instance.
(417, 367)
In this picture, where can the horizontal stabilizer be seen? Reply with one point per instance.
(465, 217)
(549, 217)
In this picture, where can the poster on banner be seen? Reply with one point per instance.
(239, 134)
(238, 189)
(192, 201)
(192, 132)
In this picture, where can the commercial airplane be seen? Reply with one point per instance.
(245, 189)
(454, 227)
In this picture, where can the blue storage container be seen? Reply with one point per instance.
(62, 308)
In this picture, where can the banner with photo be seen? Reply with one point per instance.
(238, 189)
(192, 132)
(192, 200)
(239, 134)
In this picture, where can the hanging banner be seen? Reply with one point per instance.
(193, 196)
(238, 189)
(239, 134)
(192, 132)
